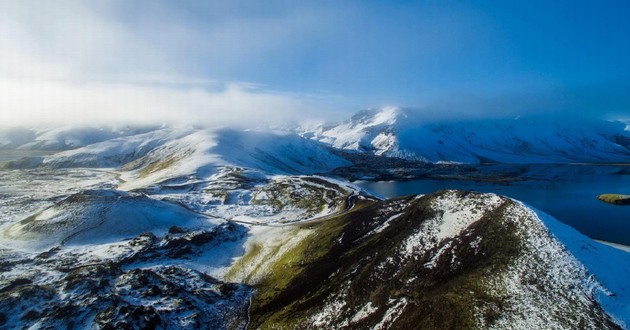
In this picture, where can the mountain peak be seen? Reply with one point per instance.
(371, 130)
(372, 117)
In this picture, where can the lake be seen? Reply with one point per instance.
(569, 196)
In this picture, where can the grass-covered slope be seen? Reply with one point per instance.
(449, 260)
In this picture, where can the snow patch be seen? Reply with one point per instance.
(364, 312)
(392, 313)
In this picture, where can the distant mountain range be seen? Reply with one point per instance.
(390, 132)
(394, 132)
(63, 138)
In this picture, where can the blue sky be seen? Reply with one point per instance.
(273, 60)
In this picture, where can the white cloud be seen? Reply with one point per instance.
(103, 40)
(79, 62)
(72, 40)
(30, 102)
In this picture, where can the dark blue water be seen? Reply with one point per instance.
(570, 199)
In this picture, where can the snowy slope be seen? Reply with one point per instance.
(609, 266)
(171, 153)
(518, 141)
(400, 133)
(98, 216)
(114, 152)
(371, 131)
(274, 152)
(204, 151)
(12, 138)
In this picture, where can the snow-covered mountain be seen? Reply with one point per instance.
(369, 131)
(389, 132)
(204, 151)
(168, 153)
(401, 133)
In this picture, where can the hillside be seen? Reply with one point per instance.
(167, 153)
(448, 260)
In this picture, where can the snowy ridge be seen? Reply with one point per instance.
(166, 153)
(610, 267)
(203, 152)
(114, 152)
(522, 278)
(563, 273)
(544, 251)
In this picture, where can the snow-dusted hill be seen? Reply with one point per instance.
(168, 153)
(204, 151)
(96, 217)
(447, 260)
(394, 132)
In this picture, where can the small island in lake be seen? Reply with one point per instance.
(616, 199)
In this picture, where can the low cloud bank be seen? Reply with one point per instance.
(50, 103)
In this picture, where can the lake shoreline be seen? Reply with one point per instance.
(566, 192)
(621, 247)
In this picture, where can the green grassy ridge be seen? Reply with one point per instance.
(238, 266)
(296, 271)
(331, 243)
(441, 298)
(338, 258)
